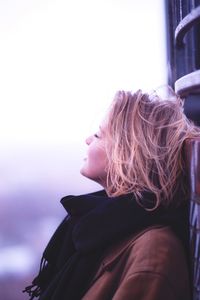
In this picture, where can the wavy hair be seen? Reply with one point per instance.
(145, 136)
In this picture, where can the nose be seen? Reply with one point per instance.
(88, 140)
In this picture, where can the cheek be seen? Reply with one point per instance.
(95, 164)
(97, 156)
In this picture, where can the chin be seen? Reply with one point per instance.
(84, 172)
(87, 172)
(89, 175)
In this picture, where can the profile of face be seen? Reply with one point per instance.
(95, 164)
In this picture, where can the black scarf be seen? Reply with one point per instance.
(94, 222)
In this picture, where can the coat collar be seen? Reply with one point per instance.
(113, 253)
(103, 220)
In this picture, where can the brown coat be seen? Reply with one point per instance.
(148, 266)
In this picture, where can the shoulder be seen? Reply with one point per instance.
(157, 249)
(156, 255)
(156, 237)
(148, 265)
(148, 243)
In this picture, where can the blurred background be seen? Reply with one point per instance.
(61, 62)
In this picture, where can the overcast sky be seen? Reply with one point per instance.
(61, 62)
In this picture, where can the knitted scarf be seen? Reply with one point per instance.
(93, 223)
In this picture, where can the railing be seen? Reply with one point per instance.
(186, 24)
(183, 40)
(192, 149)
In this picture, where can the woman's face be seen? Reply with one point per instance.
(95, 163)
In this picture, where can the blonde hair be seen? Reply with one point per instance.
(145, 136)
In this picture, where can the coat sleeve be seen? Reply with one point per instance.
(145, 286)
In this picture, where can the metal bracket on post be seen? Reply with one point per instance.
(188, 83)
(185, 24)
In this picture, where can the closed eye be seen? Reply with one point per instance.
(96, 136)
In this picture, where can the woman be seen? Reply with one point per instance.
(130, 240)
